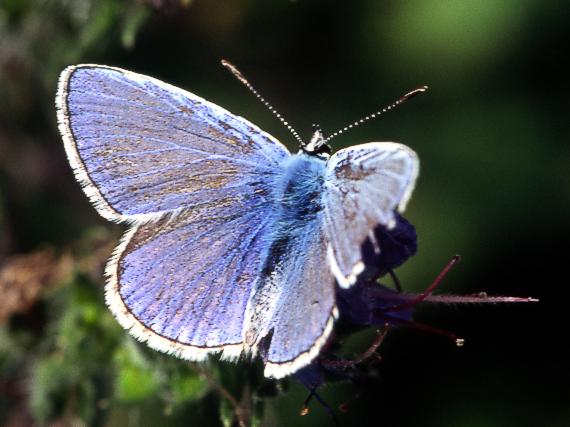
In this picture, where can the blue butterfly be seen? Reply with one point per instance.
(235, 246)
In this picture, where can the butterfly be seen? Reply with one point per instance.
(235, 245)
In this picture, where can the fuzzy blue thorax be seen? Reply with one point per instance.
(299, 190)
(298, 198)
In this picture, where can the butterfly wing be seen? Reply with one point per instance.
(182, 283)
(364, 185)
(141, 147)
(291, 315)
(195, 183)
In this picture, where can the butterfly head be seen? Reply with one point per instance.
(317, 145)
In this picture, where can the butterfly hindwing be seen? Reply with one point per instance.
(291, 312)
(182, 283)
(364, 185)
(307, 312)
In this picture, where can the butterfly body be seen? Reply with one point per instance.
(235, 246)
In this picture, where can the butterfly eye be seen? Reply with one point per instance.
(317, 145)
(325, 149)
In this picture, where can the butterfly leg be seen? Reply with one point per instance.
(313, 393)
(350, 363)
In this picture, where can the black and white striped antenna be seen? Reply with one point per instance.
(378, 113)
(248, 85)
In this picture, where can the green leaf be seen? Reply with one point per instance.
(137, 379)
(51, 377)
(187, 387)
(135, 384)
(226, 413)
(100, 23)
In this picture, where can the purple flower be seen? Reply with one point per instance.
(369, 303)
(364, 304)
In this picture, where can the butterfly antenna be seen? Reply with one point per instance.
(248, 85)
(379, 112)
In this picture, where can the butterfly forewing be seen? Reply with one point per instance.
(364, 185)
(141, 147)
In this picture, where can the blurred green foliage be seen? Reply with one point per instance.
(493, 138)
(40, 37)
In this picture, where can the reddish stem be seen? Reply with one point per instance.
(347, 363)
(425, 294)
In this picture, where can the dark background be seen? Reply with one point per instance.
(492, 135)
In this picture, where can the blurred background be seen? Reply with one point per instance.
(492, 135)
